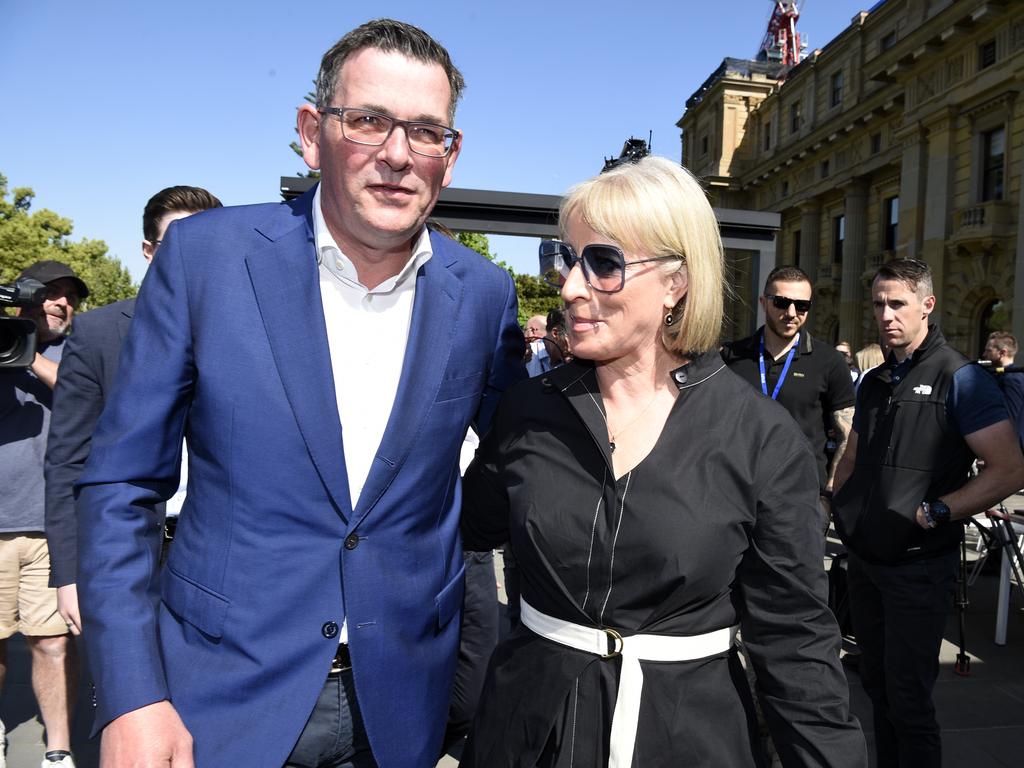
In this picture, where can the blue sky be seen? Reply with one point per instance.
(106, 102)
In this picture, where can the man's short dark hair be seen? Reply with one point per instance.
(556, 321)
(913, 273)
(389, 36)
(173, 200)
(1004, 340)
(787, 273)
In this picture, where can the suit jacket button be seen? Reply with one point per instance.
(351, 541)
(329, 629)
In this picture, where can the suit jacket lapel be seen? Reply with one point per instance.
(285, 278)
(426, 357)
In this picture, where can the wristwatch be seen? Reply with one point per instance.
(936, 513)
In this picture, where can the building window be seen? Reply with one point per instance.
(794, 117)
(796, 248)
(837, 89)
(838, 237)
(993, 154)
(767, 134)
(785, 188)
(987, 54)
(704, 145)
(888, 40)
(824, 169)
(876, 143)
(891, 223)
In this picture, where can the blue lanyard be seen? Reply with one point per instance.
(785, 368)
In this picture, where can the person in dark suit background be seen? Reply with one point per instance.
(87, 375)
(324, 358)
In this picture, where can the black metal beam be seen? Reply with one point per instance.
(528, 215)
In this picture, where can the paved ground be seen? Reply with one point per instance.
(980, 713)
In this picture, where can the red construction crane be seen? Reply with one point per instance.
(782, 44)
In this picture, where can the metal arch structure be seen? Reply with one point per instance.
(476, 210)
(530, 215)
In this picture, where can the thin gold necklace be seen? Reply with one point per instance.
(604, 417)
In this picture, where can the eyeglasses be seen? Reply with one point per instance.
(364, 126)
(783, 302)
(604, 266)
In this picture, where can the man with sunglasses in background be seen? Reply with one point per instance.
(27, 604)
(807, 376)
(324, 358)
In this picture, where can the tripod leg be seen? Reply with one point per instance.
(962, 666)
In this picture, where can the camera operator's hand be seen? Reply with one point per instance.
(45, 369)
(67, 607)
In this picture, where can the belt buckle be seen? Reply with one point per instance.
(615, 643)
(342, 661)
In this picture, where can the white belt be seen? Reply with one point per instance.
(607, 643)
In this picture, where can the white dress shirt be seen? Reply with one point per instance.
(367, 332)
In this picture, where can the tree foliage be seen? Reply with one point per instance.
(535, 297)
(28, 236)
(479, 243)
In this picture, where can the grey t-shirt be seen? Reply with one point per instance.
(25, 404)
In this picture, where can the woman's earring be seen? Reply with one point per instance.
(669, 318)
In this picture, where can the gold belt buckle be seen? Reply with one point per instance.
(616, 643)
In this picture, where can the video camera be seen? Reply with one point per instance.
(18, 334)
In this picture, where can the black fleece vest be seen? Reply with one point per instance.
(908, 452)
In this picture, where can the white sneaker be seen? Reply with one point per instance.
(58, 758)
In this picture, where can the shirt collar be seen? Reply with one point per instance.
(803, 347)
(331, 258)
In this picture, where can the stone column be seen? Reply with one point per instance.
(913, 178)
(851, 294)
(939, 197)
(810, 238)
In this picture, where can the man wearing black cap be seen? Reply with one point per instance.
(27, 604)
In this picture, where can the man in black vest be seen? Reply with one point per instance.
(903, 490)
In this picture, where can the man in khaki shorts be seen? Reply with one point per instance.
(27, 604)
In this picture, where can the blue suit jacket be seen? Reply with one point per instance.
(88, 370)
(229, 347)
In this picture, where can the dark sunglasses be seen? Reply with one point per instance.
(604, 266)
(783, 302)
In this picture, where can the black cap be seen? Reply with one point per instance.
(48, 270)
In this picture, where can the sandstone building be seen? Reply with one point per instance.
(904, 136)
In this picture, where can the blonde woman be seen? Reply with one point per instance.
(655, 503)
(869, 357)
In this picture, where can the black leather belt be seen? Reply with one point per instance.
(342, 661)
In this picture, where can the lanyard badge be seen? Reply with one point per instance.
(785, 368)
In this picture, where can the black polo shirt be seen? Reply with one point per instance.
(817, 384)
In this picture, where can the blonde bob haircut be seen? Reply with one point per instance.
(655, 207)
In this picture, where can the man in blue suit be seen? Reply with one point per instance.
(88, 369)
(323, 358)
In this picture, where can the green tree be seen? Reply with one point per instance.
(28, 236)
(535, 297)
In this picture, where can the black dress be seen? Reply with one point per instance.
(718, 525)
